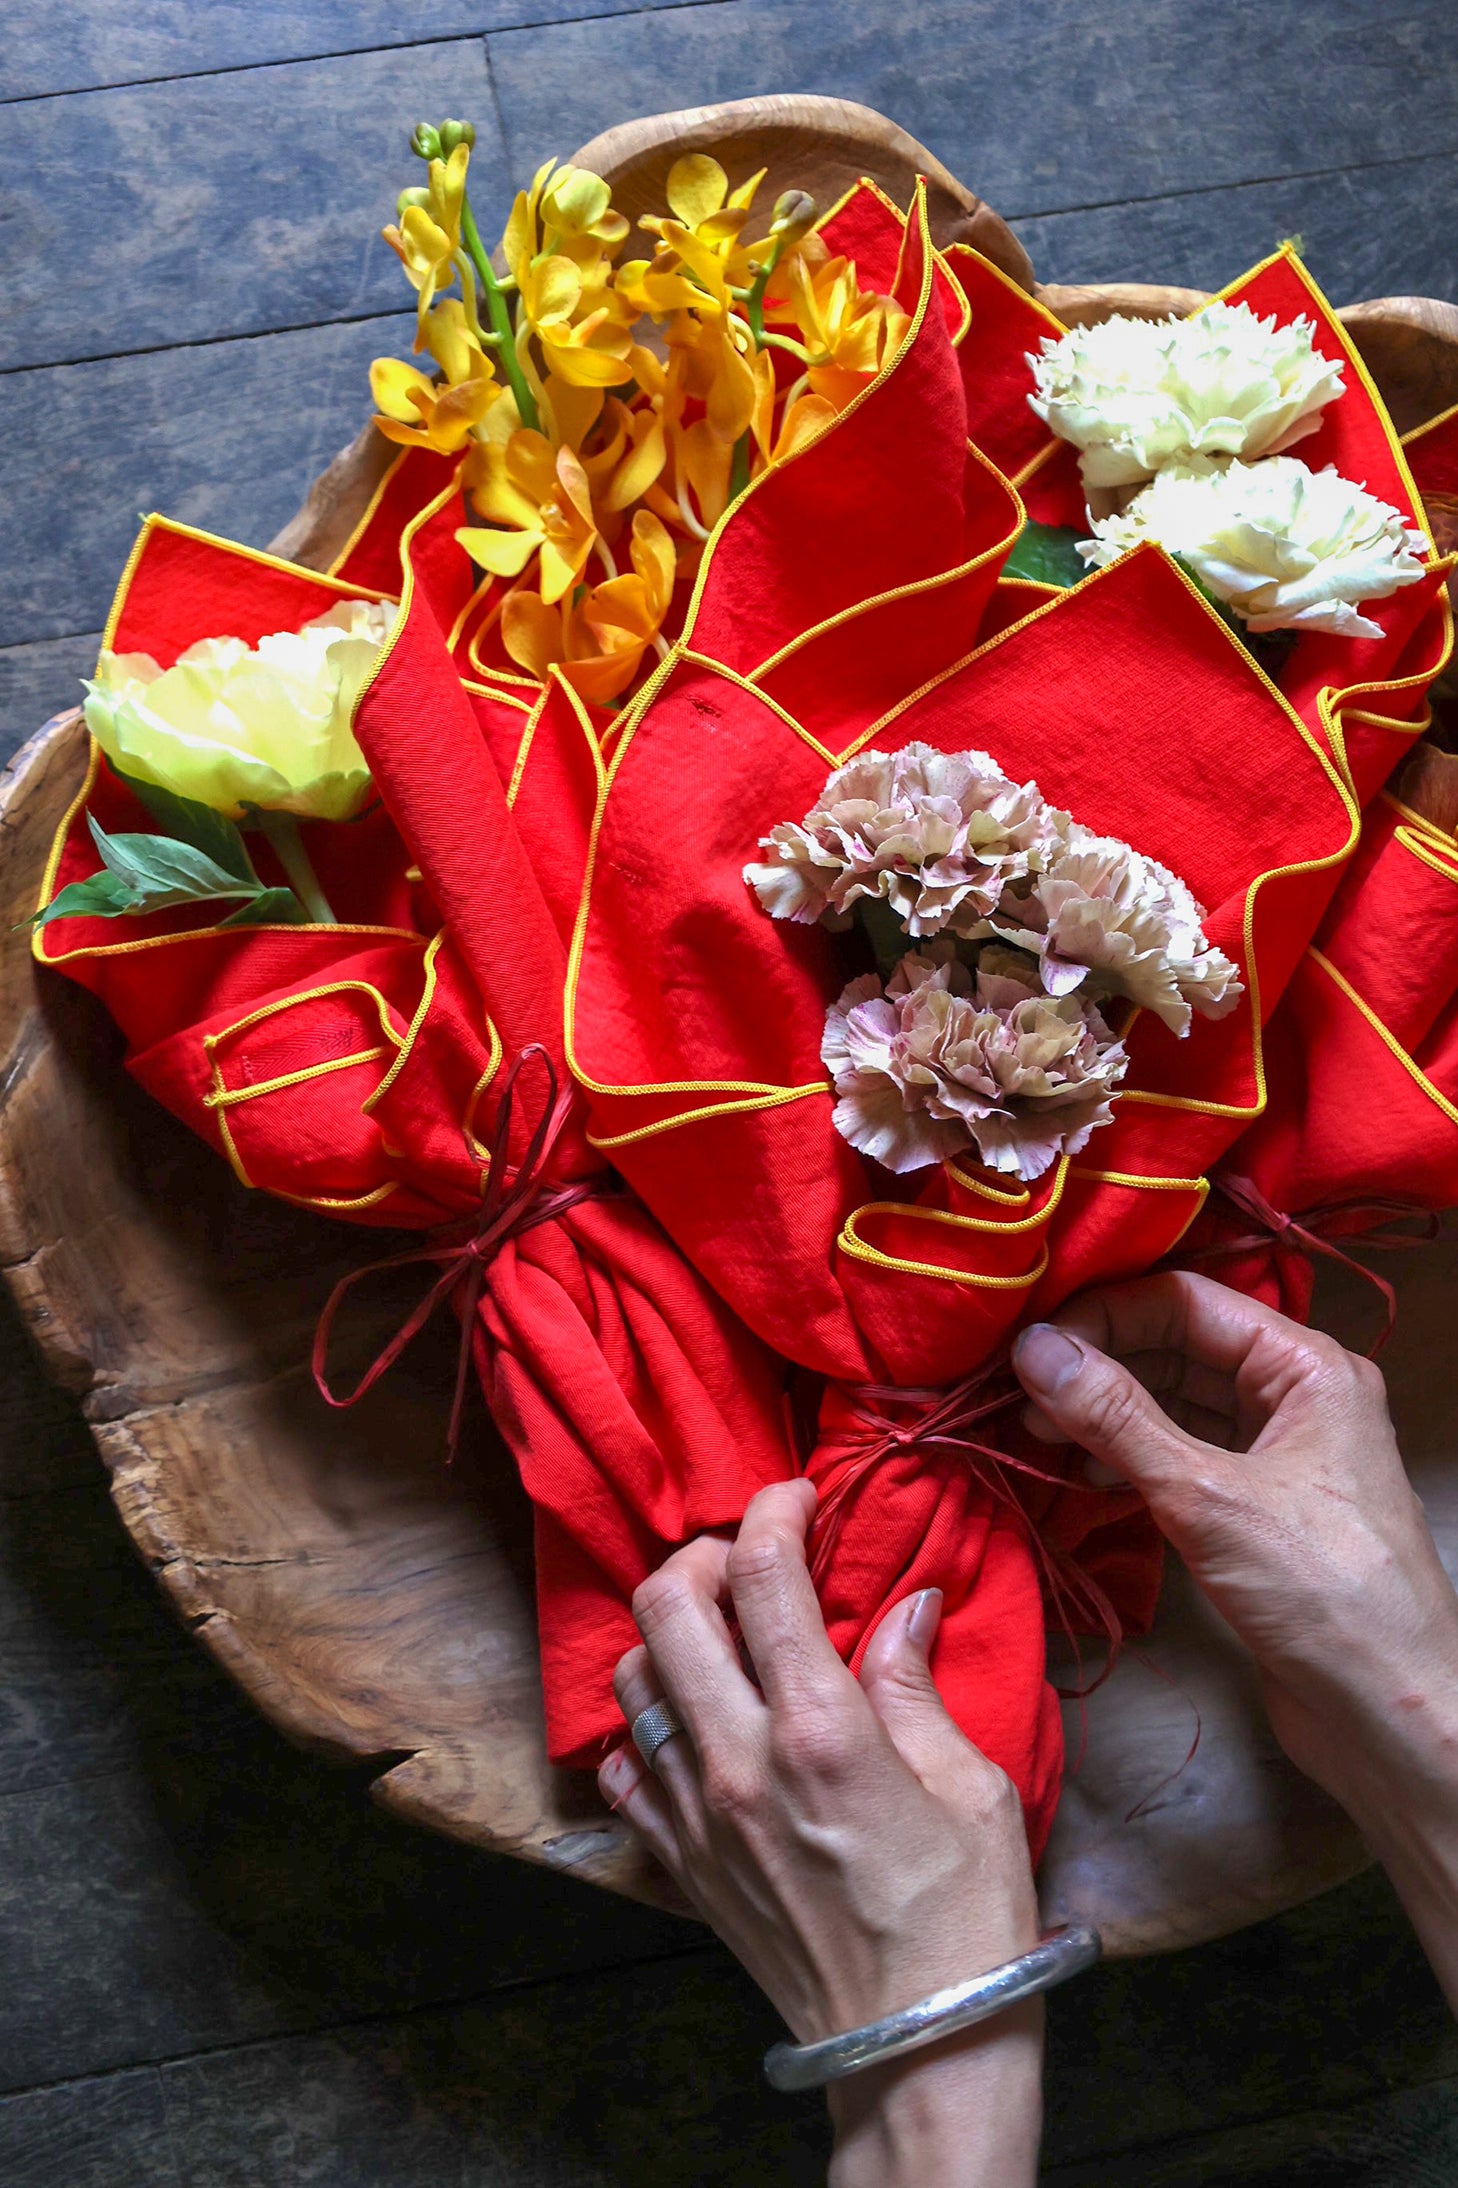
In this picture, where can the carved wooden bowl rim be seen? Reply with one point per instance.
(1233, 1836)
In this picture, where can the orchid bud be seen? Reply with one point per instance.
(794, 217)
(407, 198)
(425, 141)
(454, 133)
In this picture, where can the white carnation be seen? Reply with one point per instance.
(1106, 915)
(1136, 394)
(1287, 548)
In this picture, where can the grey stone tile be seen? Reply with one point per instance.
(228, 436)
(38, 681)
(209, 1894)
(649, 2078)
(102, 2134)
(117, 42)
(1407, 2139)
(1325, 2006)
(220, 205)
(1070, 103)
(44, 1443)
(1389, 230)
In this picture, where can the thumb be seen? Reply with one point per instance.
(1095, 1402)
(896, 1677)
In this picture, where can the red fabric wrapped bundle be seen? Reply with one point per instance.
(533, 861)
(359, 1070)
(1360, 1133)
(695, 1021)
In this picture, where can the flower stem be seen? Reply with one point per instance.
(282, 832)
(500, 316)
(754, 295)
(739, 470)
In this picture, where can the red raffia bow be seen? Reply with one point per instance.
(507, 1210)
(943, 1420)
(1311, 1235)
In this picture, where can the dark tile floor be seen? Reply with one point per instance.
(219, 1964)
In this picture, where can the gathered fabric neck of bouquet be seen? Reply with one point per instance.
(894, 1419)
(1316, 1232)
(511, 1204)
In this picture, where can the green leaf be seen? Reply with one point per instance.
(886, 933)
(103, 896)
(187, 821)
(1048, 555)
(270, 908)
(160, 872)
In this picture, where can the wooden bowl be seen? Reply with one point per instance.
(374, 1605)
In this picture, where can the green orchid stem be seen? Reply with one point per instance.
(500, 315)
(754, 301)
(739, 469)
(787, 343)
(282, 832)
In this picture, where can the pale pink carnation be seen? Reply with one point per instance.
(1106, 914)
(937, 836)
(942, 1060)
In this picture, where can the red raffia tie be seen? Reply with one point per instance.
(945, 1420)
(508, 1208)
(1368, 1219)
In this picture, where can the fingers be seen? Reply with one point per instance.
(679, 1613)
(1201, 1399)
(775, 1602)
(1094, 1401)
(1177, 1312)
(896, 1677)
(631, 1791)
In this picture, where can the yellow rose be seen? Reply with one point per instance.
(233, 725)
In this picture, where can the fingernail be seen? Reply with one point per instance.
(1047, 1358)
(617, 1773)
(923, 1619)
(1101, 1476)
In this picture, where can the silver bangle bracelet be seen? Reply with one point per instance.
(1062, 1953)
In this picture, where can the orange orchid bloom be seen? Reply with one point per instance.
(538, 502)
(598, 645)
(417, 411)
(558, 245)
(427, 240)
(848, 332)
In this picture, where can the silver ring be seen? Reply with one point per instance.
(652, 1727)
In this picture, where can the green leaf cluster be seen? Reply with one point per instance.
(201, 859)
(1047, 554)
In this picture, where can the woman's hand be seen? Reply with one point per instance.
(844, 1839)
(1267, 1456)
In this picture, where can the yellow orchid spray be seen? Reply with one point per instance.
(608, 410)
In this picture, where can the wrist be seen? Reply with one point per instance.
(1379, 1730)
(960, 2114)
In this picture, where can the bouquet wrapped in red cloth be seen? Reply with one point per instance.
(745, 1141)
(391, 1070)
(698, 1024)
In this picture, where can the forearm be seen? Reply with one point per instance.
(1404, 1799)
(964, 2114)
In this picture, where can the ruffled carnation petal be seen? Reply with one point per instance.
(1135, 395)
(944, 1060)
(1285, 547)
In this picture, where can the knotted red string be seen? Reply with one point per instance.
(1310, 1235)
(509, 1206)
(943, 1420)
